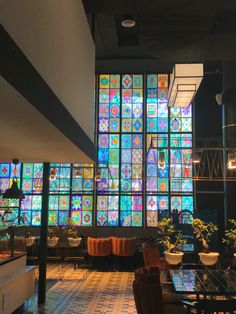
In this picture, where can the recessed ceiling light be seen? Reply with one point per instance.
(128, 22)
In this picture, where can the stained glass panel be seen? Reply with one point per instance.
(109, 103)
(82, 178)
(181, 119)
(184, 206)
(131, 211)
(32, 178)
(132, 103)
(107, 210)
(131, 163)
(60, 183)
(155, 204)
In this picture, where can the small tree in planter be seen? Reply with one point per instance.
(230, 235)
(73, 237)
(172, 240)
(203, 232)
(52, 238)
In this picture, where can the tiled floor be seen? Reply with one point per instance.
(85, 292)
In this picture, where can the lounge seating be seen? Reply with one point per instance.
(99, 246)
(148, 293)
(123, 246)
(151, 255)
(124, 249)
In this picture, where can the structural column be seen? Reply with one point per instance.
(43, 236)
(229, 130)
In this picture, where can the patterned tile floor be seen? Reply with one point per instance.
(85, 292)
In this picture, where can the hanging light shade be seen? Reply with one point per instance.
(184, 84)
(231, 161)
(14, 192)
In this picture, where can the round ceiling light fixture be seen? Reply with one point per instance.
(128, 22)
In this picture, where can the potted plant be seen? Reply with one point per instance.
(203, 232)
(172, 240)
(230, 235)
(73, 237)
(52, 238)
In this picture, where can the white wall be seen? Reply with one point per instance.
(55, 37)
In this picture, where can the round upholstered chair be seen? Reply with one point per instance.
(123, 246)
(124, 250)
(99, 248)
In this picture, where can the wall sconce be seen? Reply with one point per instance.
(231, 160)
(184, 83)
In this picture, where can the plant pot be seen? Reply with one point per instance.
(29, 241)
(174, 258)
(74, 242)
(52, 241)
(209, 259)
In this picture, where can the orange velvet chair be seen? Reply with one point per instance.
(99, 246)
(99, 250)
(124, 250)
(123, 246)
(151, 255)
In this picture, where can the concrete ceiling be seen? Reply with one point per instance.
(28, 136)
(166, 32)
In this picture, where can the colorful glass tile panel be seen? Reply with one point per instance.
(107, 210)
(131, 210)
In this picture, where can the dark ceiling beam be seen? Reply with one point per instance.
(146, 65)
(153, 7)
(134, 65)
(17, 70)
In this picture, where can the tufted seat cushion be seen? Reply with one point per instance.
(123, 246)
(99, 246)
